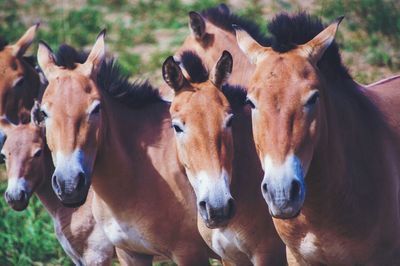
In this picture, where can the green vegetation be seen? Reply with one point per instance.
(28, 237)
(142, 35)
(371, 38)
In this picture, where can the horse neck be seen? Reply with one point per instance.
(33, 85)
(45, 192)
(247, 171)
(136, 153)
(348, 160)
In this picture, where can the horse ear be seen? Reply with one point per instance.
(46, 59)
(96, 57)
(20, 47)
(315, 48)
(172, 74)
(221, 71)
(248, 45)
(37, 118)
(197, 25)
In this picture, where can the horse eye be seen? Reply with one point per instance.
(20, 82)
(249, 102)
(37, 153)
(43, 115)
(313, 99)
(177, 129)
(96, 110)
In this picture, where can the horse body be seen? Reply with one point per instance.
(214, 141)
(250, 237)
(319, 133)
(81, 237)
(132, 159)
(142, 197)
(359, 222)
(76, 230)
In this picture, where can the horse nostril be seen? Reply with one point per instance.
(56, 185)
(21, 195)
(231, 207)
(7, 196)
(203, 205)
(265, 188)
(295, 190)
(81, 181)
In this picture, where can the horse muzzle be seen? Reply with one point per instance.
(18, 200)
(72, 189)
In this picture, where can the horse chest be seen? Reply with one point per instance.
(228, 245)
(323, 249)
(126, 236)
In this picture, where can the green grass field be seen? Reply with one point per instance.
(142, 34)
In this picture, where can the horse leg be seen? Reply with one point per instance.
(99, 257)
(226, 263)
(291, 259)
(130, 258)
(192, 260)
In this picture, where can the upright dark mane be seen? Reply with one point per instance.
(288, 31)
(236, 96)
(111, 80)
(133, 94)
(3, 43)
(198, 73)
(67, 56)
(31, 60)
(194, 66)
(223, 18)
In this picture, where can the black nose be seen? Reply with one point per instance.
(203, 206)
(81, 181)
(265, 188)
(217, 213)
(7, 196)
(231, 208)
(59, 184)
(56, 185)
(22, 196)
(295, 190)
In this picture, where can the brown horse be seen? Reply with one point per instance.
(215, 145)
(211, 33)
(103, 130)
(317, 129)
(29, 169)
(19, 82)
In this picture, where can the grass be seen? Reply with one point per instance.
(27, 238)
(142, 35)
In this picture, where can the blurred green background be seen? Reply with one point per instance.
(142, 34)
